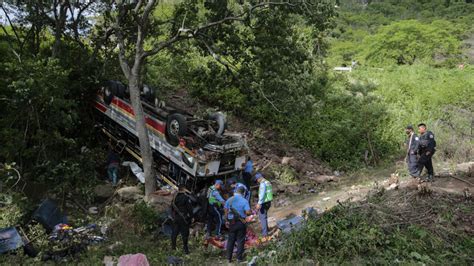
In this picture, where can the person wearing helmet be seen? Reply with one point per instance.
(216, 202)
(234, 185)
(265, 197)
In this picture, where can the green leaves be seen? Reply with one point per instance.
(408, 41)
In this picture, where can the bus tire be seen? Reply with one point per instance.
(175, 128)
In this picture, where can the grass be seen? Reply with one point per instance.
(390, 227)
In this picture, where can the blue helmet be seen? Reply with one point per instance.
(219, 182)
(257, 176)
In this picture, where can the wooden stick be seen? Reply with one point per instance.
(460, 179)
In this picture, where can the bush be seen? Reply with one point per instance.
(441, 98)
(385, 229)
(146, 218)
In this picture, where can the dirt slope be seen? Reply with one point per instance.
(329, 198)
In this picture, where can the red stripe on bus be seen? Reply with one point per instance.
(156, 125)
(129, 109)
(101, 107)
(121, 104)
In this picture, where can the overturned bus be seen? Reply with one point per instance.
(186, 149)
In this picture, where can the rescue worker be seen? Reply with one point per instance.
(412, 151)
(216, 203)
(235, 185)
(427, 148)
(181, 213)
(236, 210)
(265, 197)
(247, 174)
(113, 161)
(245, 193)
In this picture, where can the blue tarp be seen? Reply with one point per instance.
(10, 239)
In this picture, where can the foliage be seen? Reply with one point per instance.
(406, 42)
(442, 24)
(384, 229)
(441, 98)
(13, 207)
(284, 174)
(342, 129)
(146, 218)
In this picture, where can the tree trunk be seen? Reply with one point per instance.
(145, 148)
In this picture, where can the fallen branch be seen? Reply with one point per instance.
(463, 180)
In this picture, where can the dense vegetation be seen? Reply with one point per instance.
(273, 71)
(390, 227)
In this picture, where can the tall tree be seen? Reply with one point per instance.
(134, 24)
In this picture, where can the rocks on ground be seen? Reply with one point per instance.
(465, 169)
(104, 191)
(160, 200)
(320, 179)
(130, 193)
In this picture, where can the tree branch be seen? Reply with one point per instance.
(241, 16)
(138, 6)
(11, 24)
(217, 57)
(164, 44)
(10, 44)
(191, 33)
(270, 102)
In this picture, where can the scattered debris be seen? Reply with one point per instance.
(10, 239)
(326, 198)
(172, 260)
(49, 215)
(424, 188)
(253, 261)
(136, 170)
(114, 246)
(310, 212)
(286, 160)
(320, 179)
(93, 210)
(290, 224)
(108, 261)
(138, 259)
(467, 194)
(393, 182)
(251, 240)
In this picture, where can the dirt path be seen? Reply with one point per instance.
(329, 198)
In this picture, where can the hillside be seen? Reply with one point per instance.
(187, 91)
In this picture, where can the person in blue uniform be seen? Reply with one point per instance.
(236, 210)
